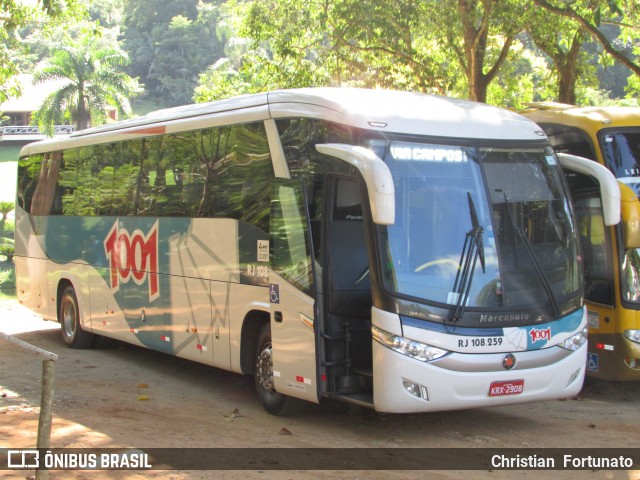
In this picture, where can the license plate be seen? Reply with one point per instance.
(512, 387)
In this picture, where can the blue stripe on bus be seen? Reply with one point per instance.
(569, 323)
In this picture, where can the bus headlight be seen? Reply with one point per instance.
(575, 341)
(633, 335)
(410, 348)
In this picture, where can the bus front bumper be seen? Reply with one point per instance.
(404, 385)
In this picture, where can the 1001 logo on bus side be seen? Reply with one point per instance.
(134, 256)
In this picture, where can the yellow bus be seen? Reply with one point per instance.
(610, 136)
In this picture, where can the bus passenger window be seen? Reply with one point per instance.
(43, 196)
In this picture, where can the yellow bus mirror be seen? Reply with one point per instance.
(630, 213)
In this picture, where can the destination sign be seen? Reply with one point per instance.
(427, 153)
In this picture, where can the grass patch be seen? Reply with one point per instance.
(7, 279)
(142, 107)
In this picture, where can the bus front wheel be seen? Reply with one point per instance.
(273, 402)
(69, 318)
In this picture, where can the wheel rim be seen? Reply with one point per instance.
(264, 367)
(69, 319)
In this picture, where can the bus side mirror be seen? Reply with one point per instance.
(630, 212)
(376, 174)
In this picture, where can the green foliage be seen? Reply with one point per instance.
(602, 98)
(9, 228)
(468, 48)
(170, 43)
(5, 209)
(7, 278)
(108, 13)
(515, 84)
(7, 248)
(633, 87)
(16, 15)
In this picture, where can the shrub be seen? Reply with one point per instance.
(7, 248)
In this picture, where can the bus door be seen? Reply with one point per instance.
(292, 294)
(596, 200)
(608, 285)
(346, 287)
(598, 262)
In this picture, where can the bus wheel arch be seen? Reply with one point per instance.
(253, 322)
(273, 402)
(69, 317)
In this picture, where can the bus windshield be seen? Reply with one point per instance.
(622, 155)
(479, 227)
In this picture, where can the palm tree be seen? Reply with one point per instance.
(5, 209)
(92, 81)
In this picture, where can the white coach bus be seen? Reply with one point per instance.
(399, 251)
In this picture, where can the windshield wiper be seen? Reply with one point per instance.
(534, 259)
(472, 250)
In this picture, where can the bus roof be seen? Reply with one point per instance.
(593, 118)
(381, 110)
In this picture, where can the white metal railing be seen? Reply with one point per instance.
(31, 130)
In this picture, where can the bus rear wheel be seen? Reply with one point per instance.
(69, 318)
(275, 403)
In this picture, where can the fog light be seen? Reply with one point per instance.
(632, 363)
(574, 376)
(415, 389)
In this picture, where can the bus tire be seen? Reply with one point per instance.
(273, 402)
(69, 318)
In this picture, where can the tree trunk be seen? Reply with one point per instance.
(475, 40)
(567, 85)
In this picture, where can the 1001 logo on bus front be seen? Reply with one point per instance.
(133, 256)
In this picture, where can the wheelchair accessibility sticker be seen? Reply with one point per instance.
(274, 293)
(592, 362)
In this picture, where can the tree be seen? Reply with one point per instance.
(183, 49)
(374, 43)
(523, 78)
(16, 14)
(5, 209)
(585, 18)
(256, 59)
(170, 43)
(93, 81)
(489, 29)
(561, 39)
